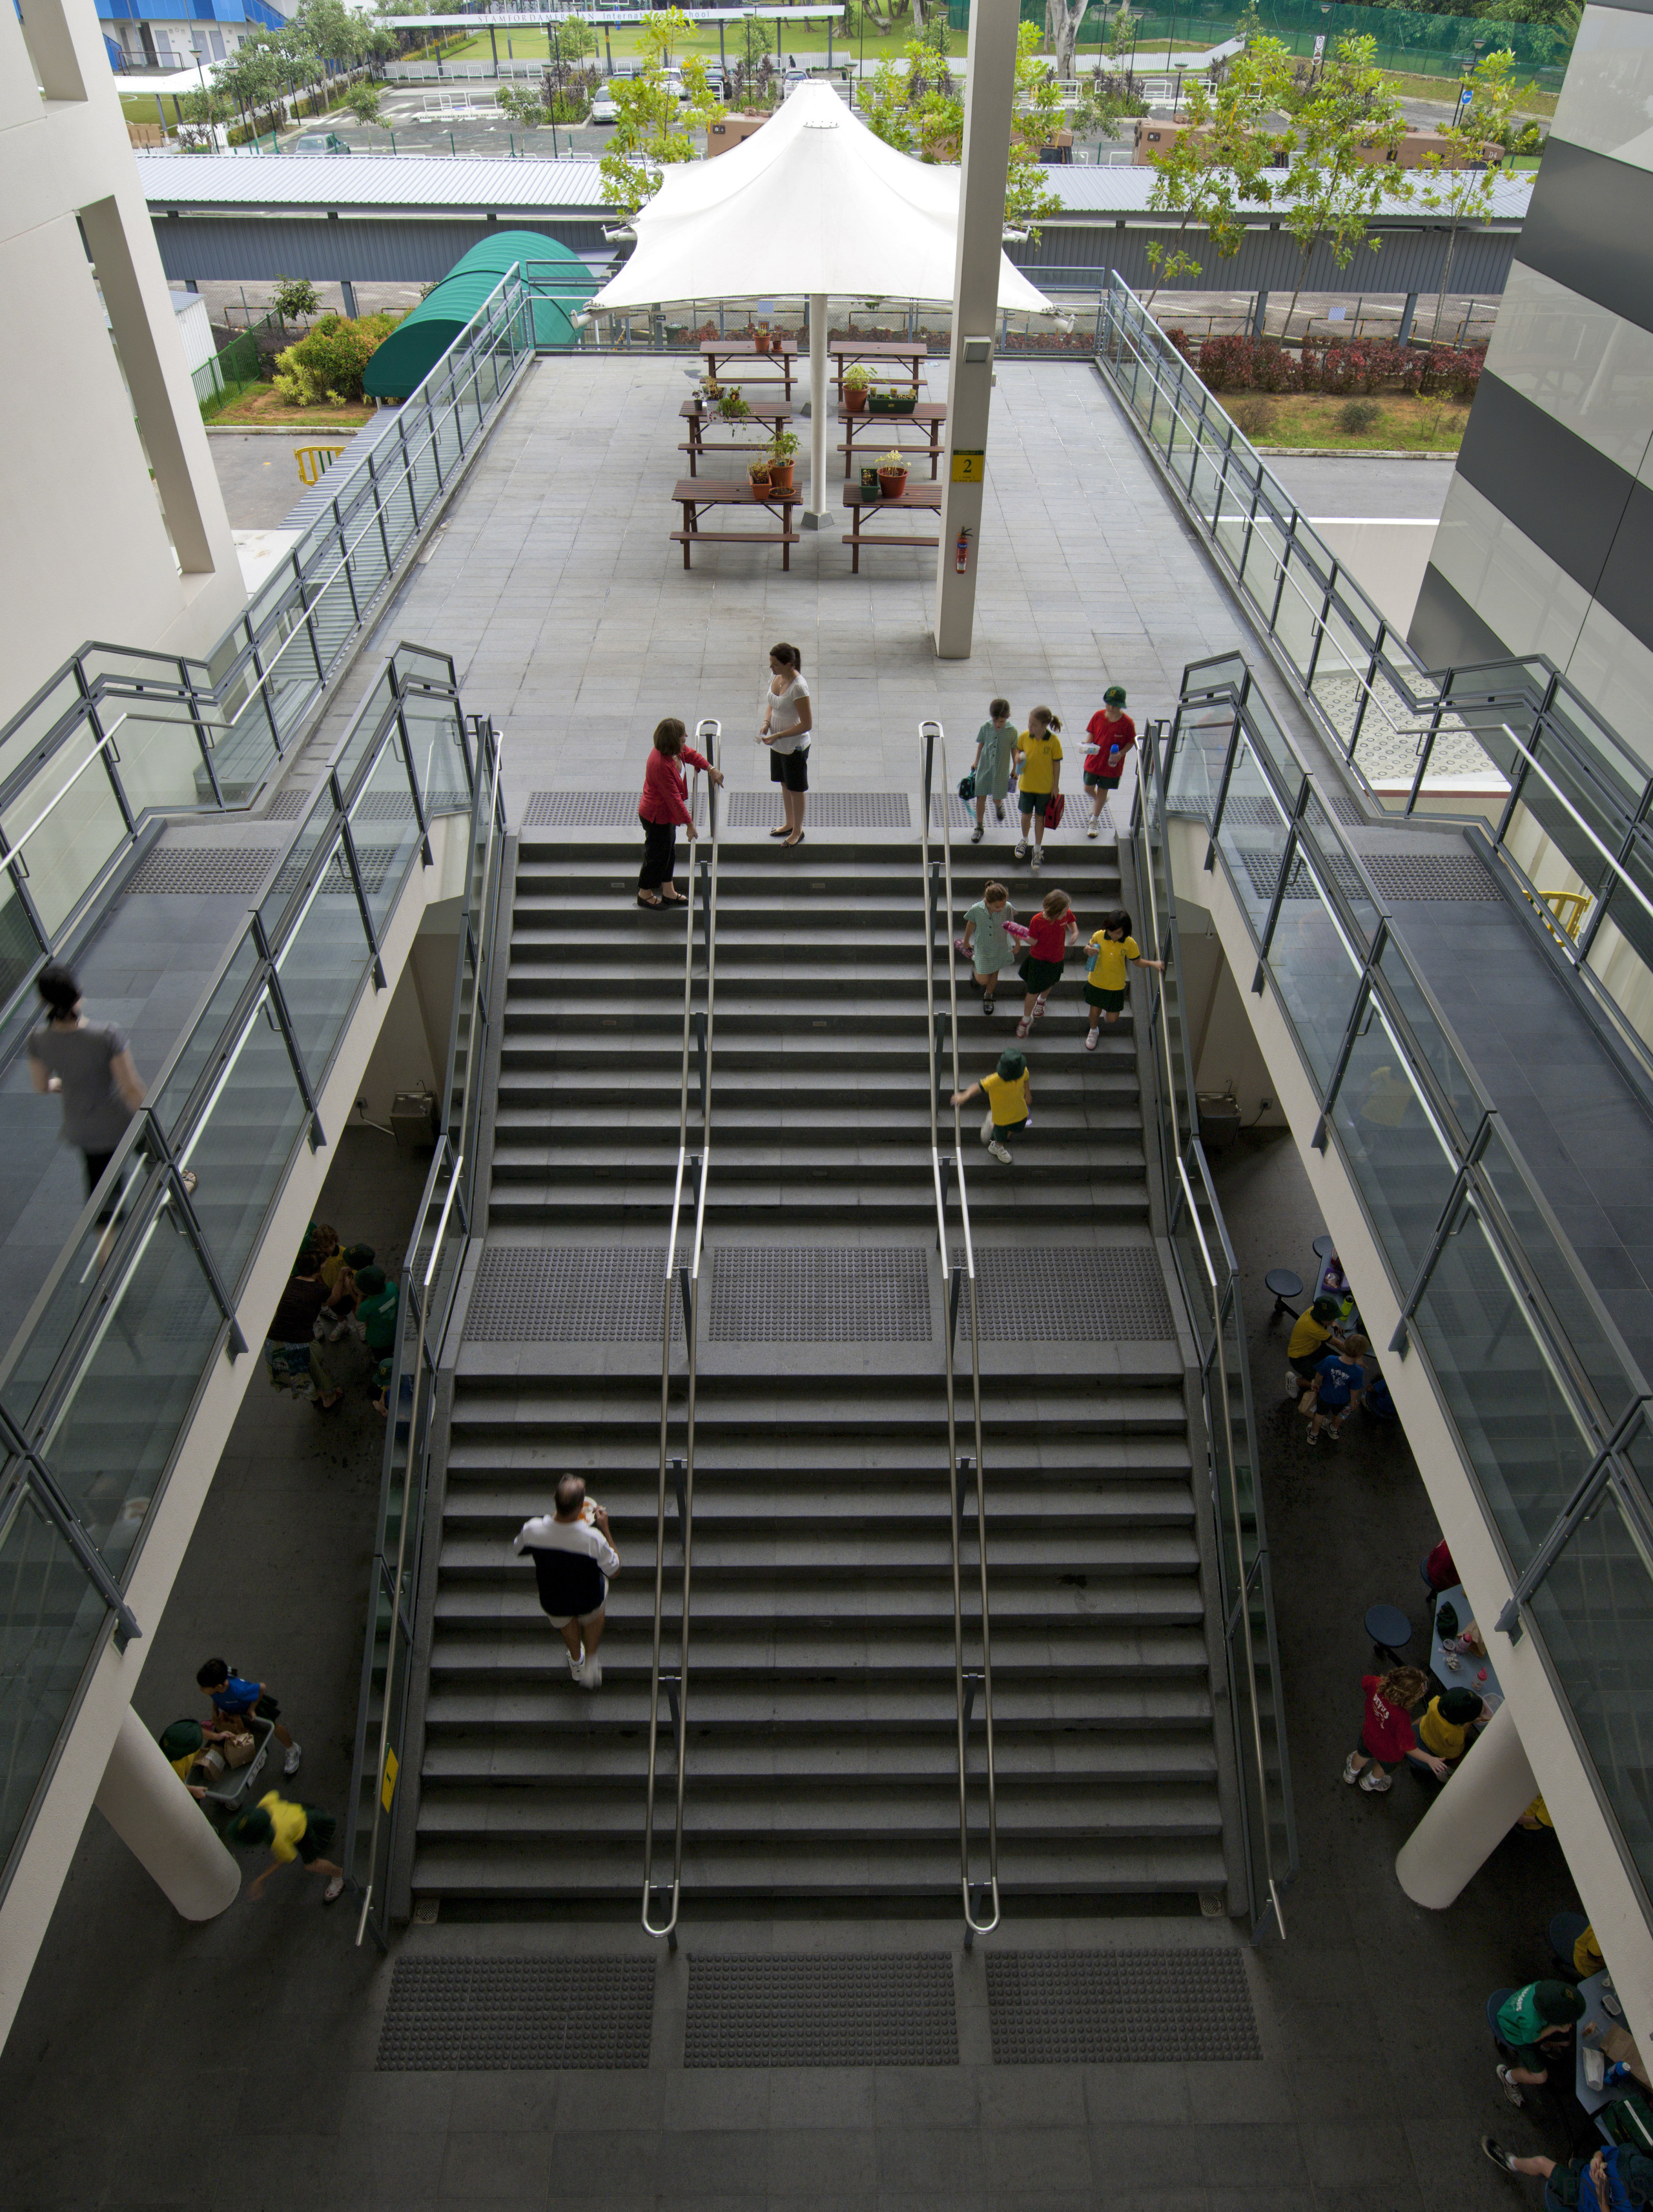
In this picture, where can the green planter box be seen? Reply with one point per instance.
(886, 404)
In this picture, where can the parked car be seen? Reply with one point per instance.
(603, 109)
(319, 141)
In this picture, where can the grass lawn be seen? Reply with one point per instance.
(1308, 418)
(1445, 89)
(263, 405)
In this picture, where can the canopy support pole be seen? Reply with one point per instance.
(989, 95)
(818, 515)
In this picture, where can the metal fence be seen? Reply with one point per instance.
(99, 1388)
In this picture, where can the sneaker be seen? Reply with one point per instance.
(999, 810)
(1022, 1026)
(1091, 831)
(576, 1666)
(1497, 2153)
(1314, 1438)
(1091, 1039)
(290, 1764)
(1037, 856)
(1351, 1771)
(1512, 2090)
(1021, 848)
(987, 1004)
(976, 834)
(1000, 1152)
(590, 1672)
(1375, 1783)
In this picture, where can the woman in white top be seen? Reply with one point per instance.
(787, 721)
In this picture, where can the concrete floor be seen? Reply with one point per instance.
(1364, 486)
(259, 475)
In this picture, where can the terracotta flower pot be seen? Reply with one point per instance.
(780, 475)
(855, 402)
(892, 482)
(759, 478)
(762, 341)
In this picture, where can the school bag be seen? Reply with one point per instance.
(966, 784)
(1053, 812)
(1609, 2195)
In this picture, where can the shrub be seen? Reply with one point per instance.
(1274, 369)
(1359, 416)
(327, 365)
(1183, 343)
(1453, 369)
(1252, 418)
(1225, 363)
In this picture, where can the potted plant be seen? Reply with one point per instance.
(782, 448)
(762, 337)
(892, 475)
(731, 407)
(900, 400)
(856, 380)
(758, 471)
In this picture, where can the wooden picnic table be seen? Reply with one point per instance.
(782, 351)
(915, 351)
(774, 412)
(693, 495)
(928, 416)
(923, 496)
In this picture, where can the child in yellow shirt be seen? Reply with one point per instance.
(1116, 950)
(1009, 1093)
(1039, 749)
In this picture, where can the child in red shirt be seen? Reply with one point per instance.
(1050, 932)
(1112, 734)
(1386, 1736)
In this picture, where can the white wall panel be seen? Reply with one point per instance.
(1588, 368)
(1531, 603)
(1607, 101)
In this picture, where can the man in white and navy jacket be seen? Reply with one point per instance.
(573, 1555)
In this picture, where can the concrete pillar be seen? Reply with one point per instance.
(348, 291)
(1406, 314)
(1259, 315)
(163, 1827)
(989, 95)
(1491, 1789)
(819, 514)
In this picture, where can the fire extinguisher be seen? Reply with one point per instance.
(962, 552)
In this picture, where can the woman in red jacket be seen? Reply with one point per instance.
(663, 804)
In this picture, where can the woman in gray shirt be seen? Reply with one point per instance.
(90, 1064)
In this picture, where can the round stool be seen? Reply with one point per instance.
(1388, 1628)
(1324, 1247)
(1284, 1285)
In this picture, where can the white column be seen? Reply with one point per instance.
(163, 1827)
(1491, 1789)
(989, 95)
(819, 514)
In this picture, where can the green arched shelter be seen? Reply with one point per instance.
(420, 340)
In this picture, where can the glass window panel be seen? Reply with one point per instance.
(323, 964)
(1619, 965)
(290, 672)
(52, 1622)
(241, 1150)
(160, 763)
(1595, 1612)
(205, 1039)
(34, 725)
(1429, 1039)
(19, 946)
(1260, 577)
(1333, 859)
(70, 834)
(1208, 475)
(434, 741)
(1514, 1421)
(1301, 601)
(373, 718)
(112, 1444)
(1314, 970)
(386, 834)
(1341, 667)
(318, 829)
(1390, 1145)
(330, 609)
(1251, 836)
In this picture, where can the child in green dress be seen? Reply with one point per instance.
(995, 756)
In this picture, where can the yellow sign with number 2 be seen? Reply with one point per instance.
(969, 468)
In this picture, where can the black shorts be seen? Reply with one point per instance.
(1100, 782)
(791, 770)
(1034, 802)
(320, 1829)
(1111, 1002)
(1306, 1365)
(1040, 974)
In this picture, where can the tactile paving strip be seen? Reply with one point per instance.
(288, 805)
(580, 810)
(1264, 868)
(827, 810)
(1118, 2008)
(570, 1294)
(397, 805)
(204, 870)
(1067, 1294)
(1349, 811)
(460, 2015)
(373, 860)
(819, 1294)
(858, 2010)
(1446, 876)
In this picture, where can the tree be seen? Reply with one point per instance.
(293, 298)
(199, 114)
(659, 33)
(1333, 189)
(1459, 183)
(653, 130)
(364, 102)
(524, 110)
(575, 39)
(1222, 160)
(920, 111)
(1064, 18)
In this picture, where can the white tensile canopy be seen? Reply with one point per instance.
(812, 202)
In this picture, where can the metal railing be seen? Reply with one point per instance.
(1548, 1406)
(1567, 802)
(99, 1390)
(204, 734)
(429, 1284)
(1210, 1279)
(956, 1276)
(680, 1290)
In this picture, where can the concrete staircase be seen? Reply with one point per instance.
(822, 1735)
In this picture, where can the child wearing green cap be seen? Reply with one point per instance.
(1009, 1093)
(1112, 734)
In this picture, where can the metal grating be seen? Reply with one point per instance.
(819, 1294)
(858, 2010)
(1067, 1294)
(288, 805)
(204, 870)
(570, 1294)
(375, 862)
(580, 810)
(1264, 869)
(460, 2015)
(1119, 2008)
(827, 810)
(1454, 877)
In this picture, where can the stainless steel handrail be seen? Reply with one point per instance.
(685, 1282)
(935, 754)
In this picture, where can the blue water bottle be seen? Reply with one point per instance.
(1616, 2075)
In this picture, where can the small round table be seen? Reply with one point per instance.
(1388, 1628)
(1324, 1247)
(1284, 1285)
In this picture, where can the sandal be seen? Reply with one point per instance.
(334, 1890)
(785, 830)
(797, 839)
(648, 898)
(669, 898)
